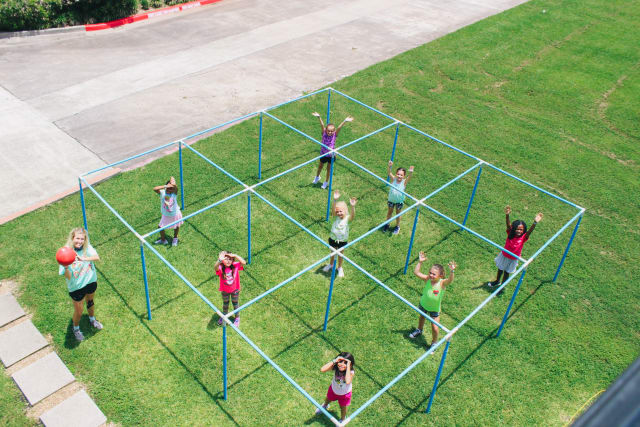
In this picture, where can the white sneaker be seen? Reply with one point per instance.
(78, 334)
(316, 180)
(96, 324)
(318, 411)
(174, 242)
(325, 185)
(327, 268)
(160, 242)
(415, 334)
(340, 272)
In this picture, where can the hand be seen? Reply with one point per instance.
(353, 201)
(507, 210)
(422, 257)
(390, 163)
(538, 217)
(172, 181)
(336, 194)
(222, 256)
(348, 119)
(410, 169)
(452, 266)
(315, 114)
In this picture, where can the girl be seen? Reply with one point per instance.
(329, 135)
(396, 198)
(517, 234)
(432, 294)
(170, 210)
(340, 228)
(81, 278)
(340, 388)
(228, 269)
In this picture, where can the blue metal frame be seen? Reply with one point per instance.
(417, 204)
(395, 142)
(84, 210)
(435, 383)
(224, 360)
(329, 189)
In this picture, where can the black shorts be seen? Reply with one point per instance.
(78, 294)
(396, 205)
(432, 314)
(337, 245)
(326, 158)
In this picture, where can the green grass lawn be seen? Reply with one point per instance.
(550, 97)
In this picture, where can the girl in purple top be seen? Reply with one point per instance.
(329, 135)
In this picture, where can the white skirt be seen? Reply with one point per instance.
(506, 264)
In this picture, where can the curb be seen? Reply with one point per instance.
(148, 15)
(111, 24)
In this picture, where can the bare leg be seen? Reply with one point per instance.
(163, 236)
(91, 310)
(398, 210)
(421, 322)
(319, 168)
(175, 232)
(343, 412)
(78, 307)
(389, 212)
(328, 171)
(434, 331)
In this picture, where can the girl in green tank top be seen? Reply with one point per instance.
(432, 294)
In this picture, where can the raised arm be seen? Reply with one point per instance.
(88, 258)
(409, 175)
(452, 269)
(347, 119)
(329, 365)
(238, 258)
(67, 272)
(316, 114)
(389, 173)
(352, 208)
(336, 196)
(348, 376)
(160, 187)
(421, 258)
(221, 257)
(507, 211)
(536, 220)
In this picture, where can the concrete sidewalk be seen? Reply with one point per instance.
(72, 102)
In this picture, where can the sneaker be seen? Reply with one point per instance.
(160, 242)
(325, 185)
(327, 268)
(78, 334)
(316, 180)
(340, 272)
(492, 284)
(96, 324)
(174, 242)
(415, 334)
(385, 228)
(220, 321)
(236, 322)
(396, 230)
(318, 411)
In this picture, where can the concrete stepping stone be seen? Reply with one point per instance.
(10, 310)
(18, 342)
(77, 411)
(42, 378)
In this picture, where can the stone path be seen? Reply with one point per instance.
(41, 374)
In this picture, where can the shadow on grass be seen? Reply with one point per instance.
(420, 407)
(87, 330)
(214, 397)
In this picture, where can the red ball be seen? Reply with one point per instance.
(65, 256)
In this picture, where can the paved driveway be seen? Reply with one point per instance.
(77, 101)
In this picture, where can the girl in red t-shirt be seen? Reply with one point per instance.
(517, 234)
(228, 269)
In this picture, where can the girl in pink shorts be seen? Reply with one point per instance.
(340, 388)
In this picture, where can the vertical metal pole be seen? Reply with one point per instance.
(513, 298)
(473, 193)
(181, 176)
(249, 228)
(328, 106)
(260, 150)
(84, 211)
(435, 383)
(566, 251)
(395, 141)
(333, 277)
(329, 188)
(224, 359)
(144, 276)
(413, 233)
